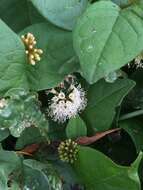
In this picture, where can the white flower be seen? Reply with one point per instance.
(139, 61)
(64, 105)
(26, 188)
(3, 103)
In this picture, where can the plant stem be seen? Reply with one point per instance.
(130, 115)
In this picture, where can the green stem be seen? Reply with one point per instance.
(130, 115)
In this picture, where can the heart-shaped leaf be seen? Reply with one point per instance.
(105, 174)
(103, 98)
(106, 38)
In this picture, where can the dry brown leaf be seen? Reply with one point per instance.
(96, 137)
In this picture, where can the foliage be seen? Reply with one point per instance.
(89, 70)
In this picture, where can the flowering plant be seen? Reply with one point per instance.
(71, 106)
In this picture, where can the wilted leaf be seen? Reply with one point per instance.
(96, 137)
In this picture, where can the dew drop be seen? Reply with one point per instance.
(89, 48)
(2, 129)
(69, 7)
(93, 31)
(26, 188)
(111, 77)
(100, 63)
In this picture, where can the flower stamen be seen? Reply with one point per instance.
(66, 102)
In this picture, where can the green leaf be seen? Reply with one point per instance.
(76, 128)
(12, 60)
(56, 131)
(9, 162)
(15, 14)
(135, 129)
(124, 3)
(103, 98)
(4, 133)
(55, 63)
(63, 14)
(66, 171)
(105, 174)
(41, 176)
(19, 14)
(135, 97)
(34, 15)
(106, 38)
(121, 2)
(22, 110)
(29, 136)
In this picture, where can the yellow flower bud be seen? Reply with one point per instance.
(33, 54)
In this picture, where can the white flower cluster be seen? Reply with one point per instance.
(138, 62)
(64, 106)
